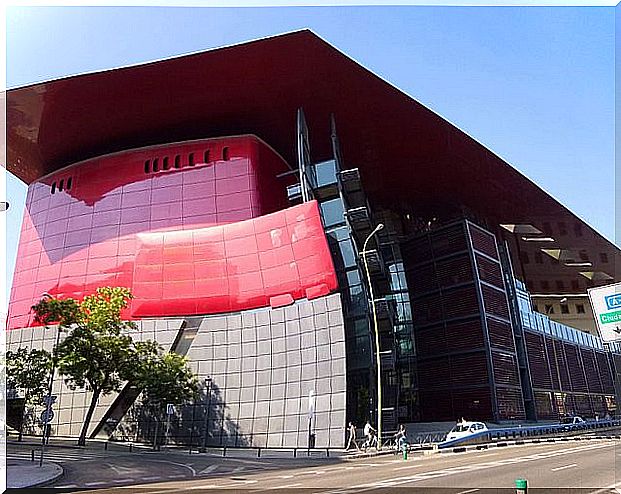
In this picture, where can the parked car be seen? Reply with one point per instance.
(573, 423)
(464, 429)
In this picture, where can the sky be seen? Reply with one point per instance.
(533, 84)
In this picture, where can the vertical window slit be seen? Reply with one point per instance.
(206, 156)
(225, 153)
(165, 163)
(147, 166)
(177, 161)
(54, 188)
(60, 185)
(69, 183)
(156, 165)
(191, 159)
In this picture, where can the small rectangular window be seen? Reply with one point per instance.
(206, 156)
(54, 188)
(549, 309)
(165, 164)
(225, 153)
(61, 184)
(564, 309)
(147, 166)
(580, 308)
(69, 183)
(156, 165)
(191, 159)
(177, 161)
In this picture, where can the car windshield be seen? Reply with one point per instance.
(460, 428)
(567, 420)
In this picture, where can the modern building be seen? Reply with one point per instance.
(238, 192)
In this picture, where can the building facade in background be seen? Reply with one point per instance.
(233, 192)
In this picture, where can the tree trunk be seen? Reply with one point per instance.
(87, 419)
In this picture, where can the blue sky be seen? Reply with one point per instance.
(533, 84)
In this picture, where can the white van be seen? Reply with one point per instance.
(465, 428)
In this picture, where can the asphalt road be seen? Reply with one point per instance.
(572, 466)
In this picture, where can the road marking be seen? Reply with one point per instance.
(121, 481)
(176, 476)
(409, 466)
(469, 490)
(288, 486)
(208, 469)
(156, 477)
(285, 477)
(563, 467)
(175, 463)
(68, 486)
(89, 484)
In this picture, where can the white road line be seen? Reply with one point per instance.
(156, 477)
(89, 484)
(208, 469)
(288, 486)
(68, 486)
(469, 490)
(121, 481)
(407, 467)
(607, 489)
(176, 476)
(563, 467)
(285, 477)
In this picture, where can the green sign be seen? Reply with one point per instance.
(610, 317)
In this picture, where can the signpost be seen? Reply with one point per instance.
(606, 303)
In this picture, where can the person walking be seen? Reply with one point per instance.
(352, 437)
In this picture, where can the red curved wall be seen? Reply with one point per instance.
(100, 230)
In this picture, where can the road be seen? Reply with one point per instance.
(567, 466)
(576, 466)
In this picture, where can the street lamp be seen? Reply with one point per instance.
(377, 347)
(48, 400)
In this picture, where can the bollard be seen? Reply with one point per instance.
(32, 455)
(106, 446)
(259, 453)
(295, 453)
(327, 453)
(521, 486)
(131, 447)
(405, 453)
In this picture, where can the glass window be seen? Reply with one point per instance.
(332, 212)
(580, 308)
(326, 173)
(347, 252)
(564, 309)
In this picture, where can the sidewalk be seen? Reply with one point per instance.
(23, 473)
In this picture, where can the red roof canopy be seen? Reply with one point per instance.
(406, 153)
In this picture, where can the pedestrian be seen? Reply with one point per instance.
(369, 432)
(352, 437)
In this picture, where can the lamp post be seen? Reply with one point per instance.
(377, 347)
(48, 399)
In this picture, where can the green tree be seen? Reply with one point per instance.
(28, 371)
(163, 377)
(99, 354)
(96, 355)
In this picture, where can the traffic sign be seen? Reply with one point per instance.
(49, 400)
(47, 415)
(606, 303)
(170, 409)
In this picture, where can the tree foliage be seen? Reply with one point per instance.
(28, 371)
(163, 377)
(100, 355)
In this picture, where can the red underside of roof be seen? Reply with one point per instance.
(406, 153)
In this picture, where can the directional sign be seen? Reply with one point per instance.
(47, 415)
(49, 400)
(606, 303)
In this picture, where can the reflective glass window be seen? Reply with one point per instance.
(325, 173)
(332, 212)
